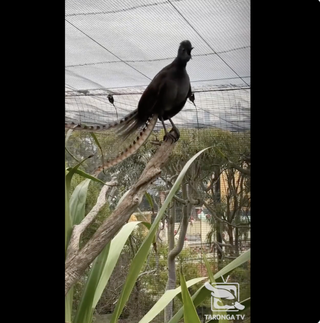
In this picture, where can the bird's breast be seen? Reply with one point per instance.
(177, 92)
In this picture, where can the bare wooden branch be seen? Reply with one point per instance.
(78, 262)
(183, 229)
(214, 214)
(191, 200)
(180, 200)
(244, 225)
(146, 273)
(245, 171)
(217, 244)
(73, 246)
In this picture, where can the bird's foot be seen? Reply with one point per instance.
(173, 134)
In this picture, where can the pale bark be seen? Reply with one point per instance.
(174, 251)
(73, 246)
(79, 261)
(171, 283)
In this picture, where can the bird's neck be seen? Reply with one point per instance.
(180, 63)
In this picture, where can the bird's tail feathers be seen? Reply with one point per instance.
(133, 134)
(117, 125)
(130, 126)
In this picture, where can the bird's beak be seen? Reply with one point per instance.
(190, 52)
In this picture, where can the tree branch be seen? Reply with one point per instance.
(191, 200)
(78, 262)
(183, 228)
(212, 212)
(245, 171)
(180, 200)
(73, 246)
(217, 244)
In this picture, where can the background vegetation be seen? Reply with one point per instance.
(230, 212)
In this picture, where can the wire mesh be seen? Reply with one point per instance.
(227, 109)
(116, 48)
(119, 44)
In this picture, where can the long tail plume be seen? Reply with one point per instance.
(135, 144)
(94, 128)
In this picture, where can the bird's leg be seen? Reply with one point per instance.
(174, 128)
(174, 133)
(165, 129)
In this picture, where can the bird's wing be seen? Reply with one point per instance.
(148, 106)
(154, 95)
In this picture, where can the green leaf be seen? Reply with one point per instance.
(67, 218)
(122, 197)
(116, 246)
(203, 293)
(149, 199)
(198, 297)
(166, 298)
(78, 202)
(68, 306)
(99, 146)
(246, 303)
(146, 224)
(222, 313)
(143, 251)
(233, 265)
(68, 151)
(212, 280)
(96, 141)
(86, 175)
(69, 132)
(100, 273)
(190, 315)
(209, 271)
(174, 188)
(85, 309)
(71, 172)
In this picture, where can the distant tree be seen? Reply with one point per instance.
(228, 160)
(201, 187)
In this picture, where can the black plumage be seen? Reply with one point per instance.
(166, 94)
(163, 98)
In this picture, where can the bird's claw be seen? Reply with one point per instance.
(173, 134)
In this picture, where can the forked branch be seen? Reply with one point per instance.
(79, 261)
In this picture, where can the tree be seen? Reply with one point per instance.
(195, 189)
(219, 180)
(201, 186)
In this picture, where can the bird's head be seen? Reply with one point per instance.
(184, 51)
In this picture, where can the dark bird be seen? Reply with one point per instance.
(163, 98)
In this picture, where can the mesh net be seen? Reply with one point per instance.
(116, 48)
(227, 109)
(118, 45)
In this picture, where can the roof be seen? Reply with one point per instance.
(117, 47)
